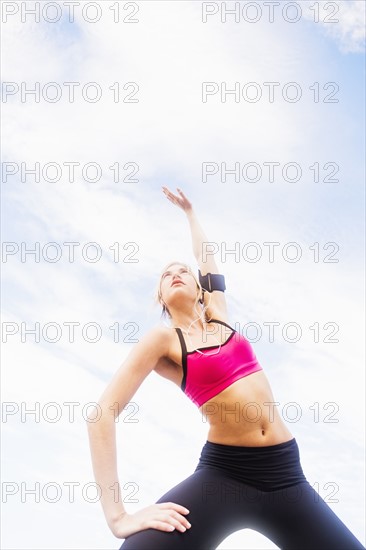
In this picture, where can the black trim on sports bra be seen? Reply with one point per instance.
(185, 352)
(221, 322)
(184, 357)
(212, 347)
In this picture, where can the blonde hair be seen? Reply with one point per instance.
(158, 296)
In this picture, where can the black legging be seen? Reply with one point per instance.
(260, 488)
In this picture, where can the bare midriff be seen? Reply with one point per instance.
(245, 414)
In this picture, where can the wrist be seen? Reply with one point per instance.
(113, 520)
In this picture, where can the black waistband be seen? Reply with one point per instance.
(241, 448)
(268, 467)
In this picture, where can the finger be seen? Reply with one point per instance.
(175, 518)
(178, 524)
(174, 199)
(175, 506)
(169, 194)
(181, 519)
(181, 192)
(162, 526)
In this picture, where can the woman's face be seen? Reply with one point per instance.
(177, 279)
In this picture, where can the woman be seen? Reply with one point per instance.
(249, 472)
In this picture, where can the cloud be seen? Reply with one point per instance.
(169, 133)
(343, 21)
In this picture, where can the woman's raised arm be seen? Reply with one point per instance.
(206, 262)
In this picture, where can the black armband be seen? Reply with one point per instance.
(212, 281)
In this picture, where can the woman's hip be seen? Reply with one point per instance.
(267, 468)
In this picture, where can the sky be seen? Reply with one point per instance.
(92, 300)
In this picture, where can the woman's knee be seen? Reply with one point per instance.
(211, 515)
(151, 539)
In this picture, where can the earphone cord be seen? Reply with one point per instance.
(200, 315)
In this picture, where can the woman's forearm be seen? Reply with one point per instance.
(197, 233)
(102, 441)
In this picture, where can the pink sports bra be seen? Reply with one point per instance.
(204, 376)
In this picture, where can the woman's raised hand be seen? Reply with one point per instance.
(180, 200)
(165, 516)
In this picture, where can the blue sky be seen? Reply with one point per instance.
(169, 133)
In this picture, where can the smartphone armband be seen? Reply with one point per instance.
(212, 281)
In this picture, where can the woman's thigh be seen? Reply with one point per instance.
(216, 510)
(297, 518)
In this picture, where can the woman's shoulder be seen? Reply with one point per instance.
(161, 337)
(155, 340)
(160, 332)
